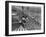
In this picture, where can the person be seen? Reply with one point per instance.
(22, 21)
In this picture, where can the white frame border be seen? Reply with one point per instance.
(23, 32)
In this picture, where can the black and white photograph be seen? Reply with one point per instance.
(24, 18)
